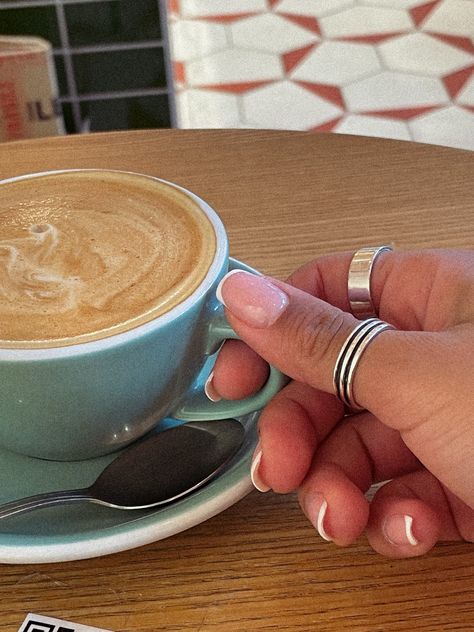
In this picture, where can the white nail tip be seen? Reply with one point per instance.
(409, 531)
(221, 282)
(320, 521)
(257, 483)
(209, 389)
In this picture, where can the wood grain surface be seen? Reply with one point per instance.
(285, 197)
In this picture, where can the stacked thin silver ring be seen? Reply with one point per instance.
(350, 355)
(360, 300)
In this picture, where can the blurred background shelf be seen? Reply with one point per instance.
(111, 57)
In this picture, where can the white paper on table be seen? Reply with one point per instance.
(39, 623)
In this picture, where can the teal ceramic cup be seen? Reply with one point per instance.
(84, 400)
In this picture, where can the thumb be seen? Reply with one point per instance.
(300, 334)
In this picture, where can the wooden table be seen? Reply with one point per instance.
(284, 197)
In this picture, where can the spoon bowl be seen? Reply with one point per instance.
(159, 469)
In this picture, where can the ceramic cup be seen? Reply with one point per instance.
(85, 400)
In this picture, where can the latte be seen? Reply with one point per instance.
(88, 254)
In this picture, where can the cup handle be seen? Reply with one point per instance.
(197, 407)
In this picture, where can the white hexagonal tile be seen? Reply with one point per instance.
(234, 66)
(314, 8)
(270, 32)
(207, 108)
(399, 4)
(284, 105)
(194, 8)
(451, 126)
(336, 63)
(454, 17)
(364, 20)
(466, 95)
(392, 90)
(418, 52)
(373, 126)
(191, 39)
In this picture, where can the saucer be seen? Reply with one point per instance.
(86, 530)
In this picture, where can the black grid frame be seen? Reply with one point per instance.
(112, 59)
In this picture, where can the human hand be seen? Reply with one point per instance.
(416, 383)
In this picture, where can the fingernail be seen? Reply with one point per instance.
(251, 298)
(318, 514)
(254, 475)
(398, 530)
(209, 389)
(221, 283)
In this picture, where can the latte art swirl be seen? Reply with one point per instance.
(84, 255)
(30, 274)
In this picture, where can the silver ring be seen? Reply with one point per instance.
(358, 281)
(349, 357)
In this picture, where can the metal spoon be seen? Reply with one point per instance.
(159, 469)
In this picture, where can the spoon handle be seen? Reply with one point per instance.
(39, 501)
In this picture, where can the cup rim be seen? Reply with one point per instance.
(118, 339)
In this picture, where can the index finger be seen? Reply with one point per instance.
(427, 290)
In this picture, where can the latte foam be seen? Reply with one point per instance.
(87, 254)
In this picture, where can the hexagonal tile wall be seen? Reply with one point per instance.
(270, 32)
(193, 39)
(391, 68)
(297, 107)
(421, 53)
(337, 63)
(360, 21)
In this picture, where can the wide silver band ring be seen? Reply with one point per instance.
(358, 281)
(349, 357)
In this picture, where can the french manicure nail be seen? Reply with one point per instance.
(254, 475)
(252, 298)
(319, 509)
(398, 530)
(221, 282)
(209, 389)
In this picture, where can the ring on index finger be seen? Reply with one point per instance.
(358, 281)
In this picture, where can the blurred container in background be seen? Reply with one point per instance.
(28, 89)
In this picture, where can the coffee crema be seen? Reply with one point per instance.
(88, 254)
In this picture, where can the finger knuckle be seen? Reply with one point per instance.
(315, 336)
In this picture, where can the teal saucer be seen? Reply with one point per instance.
(60, 534)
